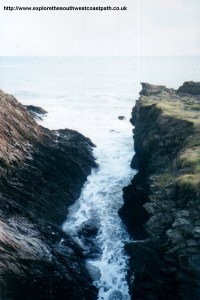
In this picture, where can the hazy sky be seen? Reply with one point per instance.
(148, 27)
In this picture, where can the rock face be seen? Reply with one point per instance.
(162, 205)
(41, 174)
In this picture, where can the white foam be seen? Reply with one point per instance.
(100, 200)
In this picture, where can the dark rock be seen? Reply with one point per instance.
(161, 205)
(112, 130)
(41, 174)
(150, 89)
(134, 162)
(93, 271)
(89, 228)
(36, 112)
(147, 285)
(121, 118)
(87, 233)
(116, 295)
(190, 87)
(133, 213)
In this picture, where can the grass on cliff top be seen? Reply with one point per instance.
(179, 111)
(186, 109)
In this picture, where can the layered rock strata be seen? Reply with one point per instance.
(162, 204)
(41, 174)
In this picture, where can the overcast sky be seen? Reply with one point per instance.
(148, 27)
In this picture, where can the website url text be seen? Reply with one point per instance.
(68, 8)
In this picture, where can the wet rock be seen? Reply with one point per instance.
(134, 198)
(89, 228)
(87, 233)
(116, 295)
(93, 271)
(41, 174)
(121, 118)
(36, 112)
(112, 130)
(134, 162)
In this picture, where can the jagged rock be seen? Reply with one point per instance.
(162, 202)
(87, 233)
(36, 111)
(150, 89)
(41, 174)
(190, 87)
(93, 271)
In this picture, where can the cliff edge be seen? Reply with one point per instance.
(162, 204)
(41, 174)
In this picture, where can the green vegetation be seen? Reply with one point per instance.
(190, 159)
(185, 108)
(195, 106)
(179, 111)
(189, 181)
(164, 179)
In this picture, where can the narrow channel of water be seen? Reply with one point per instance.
(98, 206)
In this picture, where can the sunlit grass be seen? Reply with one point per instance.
(190, 159)
(186, 109)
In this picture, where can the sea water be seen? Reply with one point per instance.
(88, 94)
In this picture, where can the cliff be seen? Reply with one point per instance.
(41, 174)
(162, 204)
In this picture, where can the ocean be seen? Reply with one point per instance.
(88, 94)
